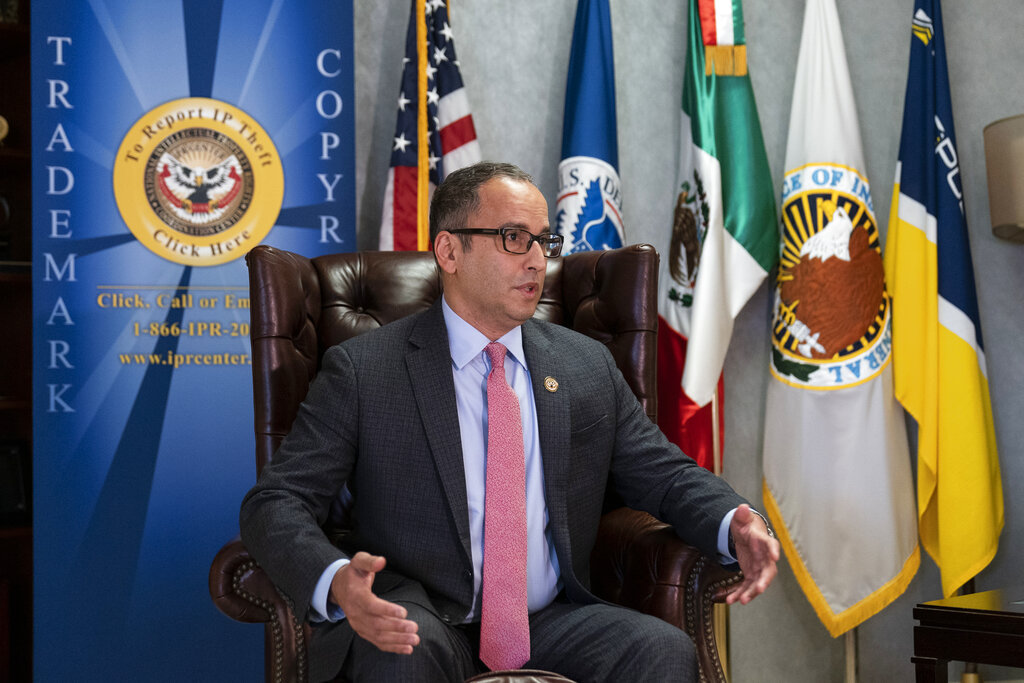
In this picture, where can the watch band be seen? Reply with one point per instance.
(767, 526)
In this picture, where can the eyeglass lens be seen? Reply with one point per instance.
(518, 241)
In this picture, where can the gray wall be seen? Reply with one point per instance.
(514, 56)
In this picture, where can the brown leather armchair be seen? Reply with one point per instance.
(300, 307)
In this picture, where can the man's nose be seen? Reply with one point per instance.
(535, 256)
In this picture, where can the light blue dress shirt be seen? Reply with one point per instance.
(470, 367)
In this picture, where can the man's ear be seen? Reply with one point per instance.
(447, 250)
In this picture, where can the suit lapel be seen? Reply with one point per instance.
(429, 364)
(553, 426)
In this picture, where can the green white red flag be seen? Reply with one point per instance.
(723, 240)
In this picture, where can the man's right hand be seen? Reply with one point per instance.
(381, 622)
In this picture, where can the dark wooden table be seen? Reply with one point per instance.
(987, 628)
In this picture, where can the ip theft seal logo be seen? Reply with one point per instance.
(198, 181)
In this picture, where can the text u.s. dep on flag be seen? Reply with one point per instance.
(723, 239)
(434, 132)
(938, 356)
(588, 214)
(837, 479)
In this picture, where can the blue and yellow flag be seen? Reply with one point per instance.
(938, 354)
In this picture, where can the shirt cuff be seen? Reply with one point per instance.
(322, 611)
(724, 556)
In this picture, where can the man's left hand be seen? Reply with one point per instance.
(757, 553)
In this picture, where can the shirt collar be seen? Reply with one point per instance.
(465, 342)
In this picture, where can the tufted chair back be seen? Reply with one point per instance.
(301, 307)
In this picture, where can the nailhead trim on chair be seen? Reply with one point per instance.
(300, 644)
(708, 633)
(276, 630)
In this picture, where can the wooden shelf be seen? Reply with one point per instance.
(15, 158)
(16, 533)
(15, 271)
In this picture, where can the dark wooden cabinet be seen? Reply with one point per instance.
(15, 148)
(16, 360)
(16, 604)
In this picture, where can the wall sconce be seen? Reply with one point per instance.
(1004, 162)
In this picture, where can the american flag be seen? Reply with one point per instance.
(434, 133)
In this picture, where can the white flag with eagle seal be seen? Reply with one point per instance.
(837, 483)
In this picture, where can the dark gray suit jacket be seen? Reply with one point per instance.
(381, 416)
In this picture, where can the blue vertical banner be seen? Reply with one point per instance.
(589, 209)
(169, 138)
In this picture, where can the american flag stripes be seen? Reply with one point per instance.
(434, 133)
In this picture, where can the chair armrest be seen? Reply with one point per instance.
(239, 587)
(242, 590)
(639, 562)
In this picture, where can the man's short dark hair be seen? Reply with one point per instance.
(458, 196)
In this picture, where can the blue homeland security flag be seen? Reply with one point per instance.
(938, 357)
(589, 210)
(434, 132)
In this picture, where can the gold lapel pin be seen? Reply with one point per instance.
(551, 384)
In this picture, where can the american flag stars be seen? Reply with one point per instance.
(448, 125)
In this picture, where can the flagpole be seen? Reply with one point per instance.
(970, 674)
(716, 440)
(851, 655)
(721, 610)
(422, 132)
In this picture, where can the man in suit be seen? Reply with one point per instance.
(401, 417)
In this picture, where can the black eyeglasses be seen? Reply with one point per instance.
(519, 240)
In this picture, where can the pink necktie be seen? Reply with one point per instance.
(504, 618)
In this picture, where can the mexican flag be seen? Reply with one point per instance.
(723, 240)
